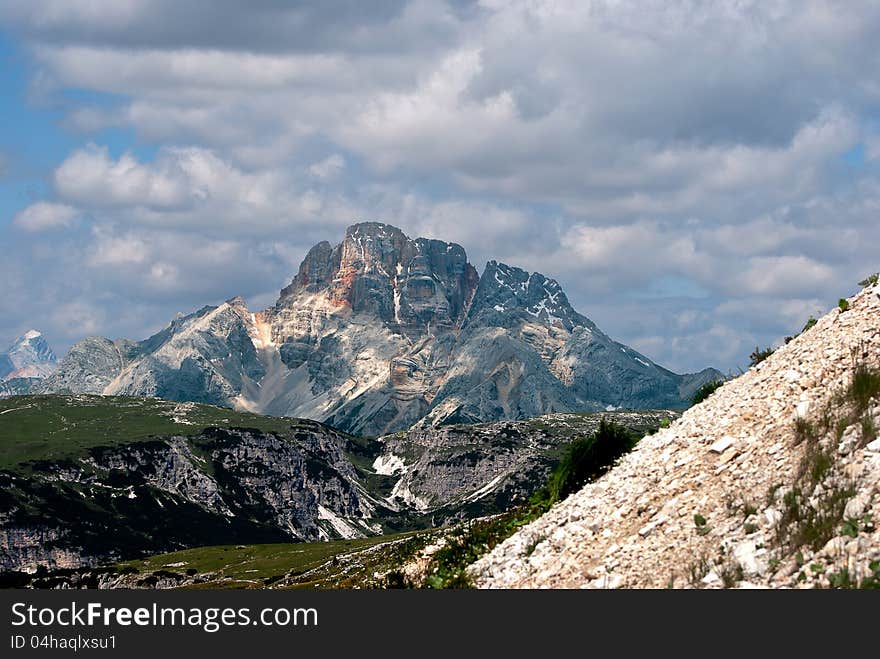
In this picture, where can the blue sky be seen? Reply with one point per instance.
(700, 177)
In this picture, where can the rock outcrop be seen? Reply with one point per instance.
(218, 487)
(773, 481)
(381, 332)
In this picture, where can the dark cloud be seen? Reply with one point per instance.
(268, 26)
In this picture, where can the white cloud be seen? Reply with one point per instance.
(786, 275)
(112, 250)
(328, 168)
(79, 318)
(90, 176)
(194, 189)
(677, 165)
(43, 216)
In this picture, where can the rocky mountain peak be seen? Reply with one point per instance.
(382, 331)
(29, 356)
(371, 230)
(508, 293)
(314, 272)
(377, 269)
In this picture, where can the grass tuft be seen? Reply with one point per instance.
(864, 387)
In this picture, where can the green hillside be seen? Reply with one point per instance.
(53, 427)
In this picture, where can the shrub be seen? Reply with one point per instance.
(759, 355)
(870, 280)
(843, 304)
(588, 458)
(809, 324)
(706, 390)
(585, 459)
(701, 524)
(448, 565)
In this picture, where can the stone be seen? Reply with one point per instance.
(856, 506)
(772, 516)
(721, 445)
(792, 375)
(711, 579)
(746, 555)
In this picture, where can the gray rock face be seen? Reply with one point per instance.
(205, 357)
(509, 297)
(381, 332)
(19, 386)
(378, 271)
(220, 486)
(459, 471)
(89, 367)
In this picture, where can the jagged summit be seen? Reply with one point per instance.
(378, 270)
(507, 292)
(382, 331)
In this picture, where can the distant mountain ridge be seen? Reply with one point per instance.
(29, 356)
(381, 332)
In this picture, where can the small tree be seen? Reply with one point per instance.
(759, 355)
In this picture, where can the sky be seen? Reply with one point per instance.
(700, 177)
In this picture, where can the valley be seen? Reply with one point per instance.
(87, 480)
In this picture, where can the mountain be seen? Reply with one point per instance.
(29, 356)
(773, 481)
(88, 479)
(379, 333)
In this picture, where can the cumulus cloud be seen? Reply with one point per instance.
(685, 169)
(193, 188)
(90, 176)
(43, 216)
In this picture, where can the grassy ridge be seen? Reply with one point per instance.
(53, 427)
(253, 566)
